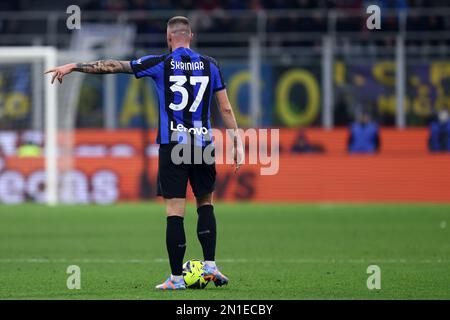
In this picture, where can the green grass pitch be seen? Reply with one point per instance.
(269, 251)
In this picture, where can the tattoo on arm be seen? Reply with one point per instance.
(104, 66)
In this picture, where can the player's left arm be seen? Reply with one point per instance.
(228, 118)
(96, 67)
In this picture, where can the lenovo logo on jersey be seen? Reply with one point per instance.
(181, 128)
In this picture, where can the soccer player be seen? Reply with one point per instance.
(185, 82)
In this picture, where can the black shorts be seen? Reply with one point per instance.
(173, 178)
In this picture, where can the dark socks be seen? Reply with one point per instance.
(176, 244)
(206, 231)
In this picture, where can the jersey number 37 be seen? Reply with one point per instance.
(178, 87)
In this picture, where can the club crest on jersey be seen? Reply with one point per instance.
(181, 128)
(196, 65)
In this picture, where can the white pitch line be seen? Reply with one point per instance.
(229, 260)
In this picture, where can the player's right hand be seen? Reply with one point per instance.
(238, 154)
(61, 71)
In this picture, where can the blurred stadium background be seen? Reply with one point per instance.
(292, 65)
(310, 68)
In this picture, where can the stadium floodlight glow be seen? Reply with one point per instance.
(49, 58)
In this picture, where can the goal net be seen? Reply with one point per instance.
(28, 126)
(38, 119)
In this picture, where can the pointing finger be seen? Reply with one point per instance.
(55, 74)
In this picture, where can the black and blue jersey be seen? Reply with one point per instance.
(185, 82)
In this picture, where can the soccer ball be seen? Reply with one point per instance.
(193, 274)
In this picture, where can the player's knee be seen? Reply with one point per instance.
(204, 200)
(175, 207)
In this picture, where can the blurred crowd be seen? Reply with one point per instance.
(117, 5)
(222, 9)
(316, 22)
(222, 16)
(120, 5)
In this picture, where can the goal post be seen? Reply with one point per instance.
(48, 56)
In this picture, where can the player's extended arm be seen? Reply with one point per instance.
(226, 111)
(98, 67)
